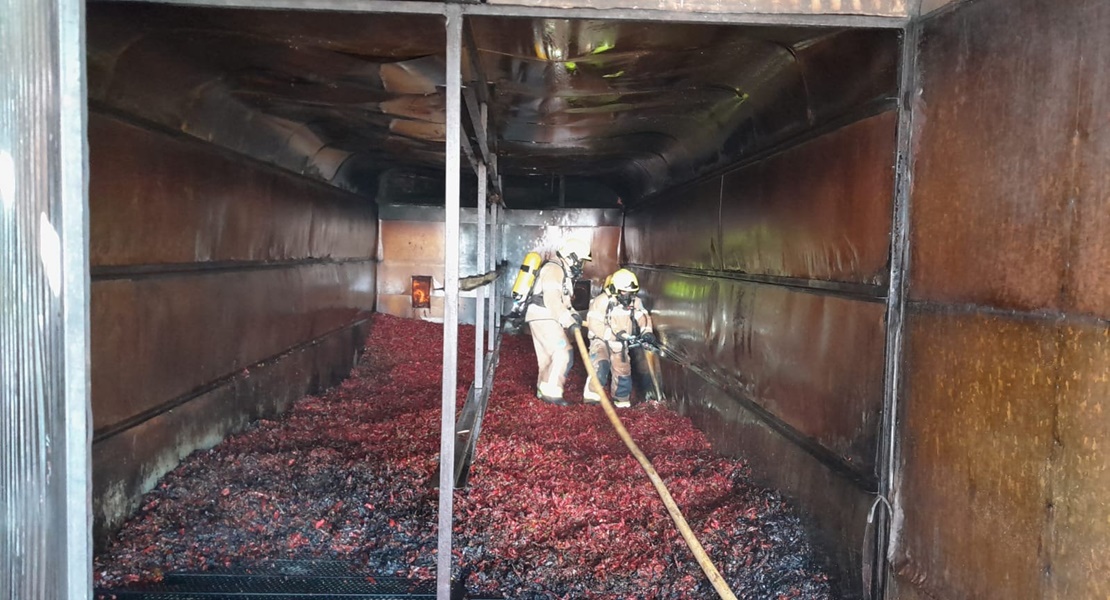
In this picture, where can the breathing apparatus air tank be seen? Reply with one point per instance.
(525, 279)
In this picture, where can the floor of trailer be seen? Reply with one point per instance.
(555, 507)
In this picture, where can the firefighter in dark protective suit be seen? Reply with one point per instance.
(616, 321)
(551, 317)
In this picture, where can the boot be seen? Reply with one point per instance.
(554, 400)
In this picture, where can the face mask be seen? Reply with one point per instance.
(625, 298)
(575, 269)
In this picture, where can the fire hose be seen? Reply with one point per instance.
(695, 546)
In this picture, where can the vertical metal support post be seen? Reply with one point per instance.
(494, 296)
(480, 293)
(453, 67)
(73, 150)
(45, 418)
(895, 308)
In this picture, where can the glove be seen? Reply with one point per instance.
(650, 339)
(575, 323)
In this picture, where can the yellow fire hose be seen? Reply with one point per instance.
(687, 534)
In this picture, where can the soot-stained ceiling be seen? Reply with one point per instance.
(582, 112)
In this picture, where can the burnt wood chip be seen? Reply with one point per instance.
(555, 507)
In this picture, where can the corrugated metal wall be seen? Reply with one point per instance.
(768, 283)
(222, 290)
(1004, 468)
(44, 468)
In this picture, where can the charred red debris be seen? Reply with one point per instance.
(555, 507)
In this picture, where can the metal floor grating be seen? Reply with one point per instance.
(318, 580)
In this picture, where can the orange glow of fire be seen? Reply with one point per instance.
(421, 292)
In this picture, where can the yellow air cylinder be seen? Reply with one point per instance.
(527, 275)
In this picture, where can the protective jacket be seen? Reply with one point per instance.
(612, 326)
(551, 295)
(610, 321)
(548, 315)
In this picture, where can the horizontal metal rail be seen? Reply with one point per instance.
(858, 291)
(469, 424)
(541, 12)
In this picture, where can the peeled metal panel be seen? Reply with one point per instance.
(1009, 204)
(1080, 542)
(177, 333)
(681, 229)
(815, 361)
(300, 90)
(45, 550)
(973, 496)
(156, 198)
(820, 210)
(832, 508)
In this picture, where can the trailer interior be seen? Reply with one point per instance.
(871, 233)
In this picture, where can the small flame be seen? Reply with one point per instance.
(421, 291)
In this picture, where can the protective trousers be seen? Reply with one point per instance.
(553, 355)
(611, 358)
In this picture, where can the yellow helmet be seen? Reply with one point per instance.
(624, 281)
(575, 250)
(607, 287)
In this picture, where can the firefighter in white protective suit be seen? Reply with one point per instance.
(551, 317)
(616, 321)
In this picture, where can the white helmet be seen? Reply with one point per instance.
(575, 250)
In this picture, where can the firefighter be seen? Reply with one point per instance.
(551, 317)
(616, 321)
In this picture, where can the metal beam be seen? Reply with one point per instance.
(450, 302)
(476, 95)
(539, 12)
(474, 111)
(480, 293)
(895, 310)
(478, 74)
(469, 152)
(692, 15)
(494, 298)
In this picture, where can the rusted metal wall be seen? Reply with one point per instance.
(836, 509)
(815, 212)
(812, 360)
(44, 464)
(221, 290)
(768, 284)
(412, 244)
(1003, 471)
